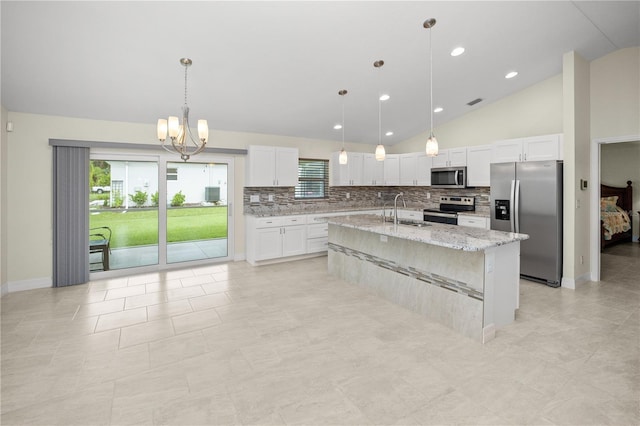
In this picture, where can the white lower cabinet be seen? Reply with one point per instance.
(275, 237)
(473, 221)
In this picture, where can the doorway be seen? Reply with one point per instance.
(596, 177)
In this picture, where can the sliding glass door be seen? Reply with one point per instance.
(197, 211)
(151, 211)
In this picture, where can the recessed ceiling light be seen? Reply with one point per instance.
(457, 51)
(388, 133)
(439, 109)
(511, 74)
(337, 127)
(384, 97)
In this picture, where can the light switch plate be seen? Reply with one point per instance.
(254, 198)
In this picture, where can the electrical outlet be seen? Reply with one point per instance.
(379, 194)
(270, 197)
(428, 195)
(254, 198)
(348, 195)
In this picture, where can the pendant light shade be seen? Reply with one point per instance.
(432, 142)
(380, 152)
(343, 159)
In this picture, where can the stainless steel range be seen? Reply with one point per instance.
(449, 208)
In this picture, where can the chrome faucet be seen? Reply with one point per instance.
(395, 207)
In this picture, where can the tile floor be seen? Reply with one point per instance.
(288, 344)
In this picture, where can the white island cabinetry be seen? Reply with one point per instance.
(464, 278)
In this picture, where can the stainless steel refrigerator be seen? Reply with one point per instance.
(527, 198)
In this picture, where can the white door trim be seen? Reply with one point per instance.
(595, 198)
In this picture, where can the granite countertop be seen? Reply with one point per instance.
(450, 236)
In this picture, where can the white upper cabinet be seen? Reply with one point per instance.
(535, 148)
(372, 171)
(454, 157)
(391, 170)
(479, 165)
(349, 174)
(415, 169)
(272, 166)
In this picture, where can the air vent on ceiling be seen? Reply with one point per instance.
(475, 101)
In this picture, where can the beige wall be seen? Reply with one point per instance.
(620, 162)
(615, 94)
(29, 203)
(536, 110)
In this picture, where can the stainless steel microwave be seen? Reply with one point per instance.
(449, 177)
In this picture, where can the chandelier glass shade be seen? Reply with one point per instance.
(182, 140)
(342, 158)
(432, 143)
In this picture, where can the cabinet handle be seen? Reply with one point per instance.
(525, 156)
(519, 157)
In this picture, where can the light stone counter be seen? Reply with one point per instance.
(464, 278)
(450, 236)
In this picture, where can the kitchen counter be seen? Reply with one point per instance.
(464, 278)
(450, 236)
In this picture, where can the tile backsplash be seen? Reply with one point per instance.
(347, 197)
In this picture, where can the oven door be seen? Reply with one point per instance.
(449, 177)
(448, 218)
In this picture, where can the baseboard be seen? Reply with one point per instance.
(573, 283)
(36, 283)
(239, 257)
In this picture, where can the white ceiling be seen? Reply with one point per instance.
(276, 67)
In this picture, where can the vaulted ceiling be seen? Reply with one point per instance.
(276, 67)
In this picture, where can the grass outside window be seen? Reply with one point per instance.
(140, 227)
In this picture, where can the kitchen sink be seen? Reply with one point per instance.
(412, 223)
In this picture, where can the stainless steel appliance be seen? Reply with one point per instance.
(527, 198)
(449, 208)
(449, 177)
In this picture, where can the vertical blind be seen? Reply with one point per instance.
(313, 178)
(70, 215)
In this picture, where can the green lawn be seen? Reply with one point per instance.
(140, 227)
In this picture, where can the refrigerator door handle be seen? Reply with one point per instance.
(517, 206)
(511, 207)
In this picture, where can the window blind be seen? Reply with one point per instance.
(313, 178)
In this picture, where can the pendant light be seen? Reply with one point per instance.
(432, 142)
(342, 159)
(380, 152)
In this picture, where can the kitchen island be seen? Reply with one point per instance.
(464, 278)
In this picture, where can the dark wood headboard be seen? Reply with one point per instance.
(625, 195)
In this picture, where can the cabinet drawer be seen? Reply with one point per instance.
(294, 220)
(475, 222)
(315, 245)
(317, 230)
(269, 222)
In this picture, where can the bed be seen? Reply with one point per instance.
(615, 215)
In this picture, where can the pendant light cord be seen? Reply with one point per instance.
(431, 81)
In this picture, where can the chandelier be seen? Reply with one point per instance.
(432, 142)
(182, 140)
